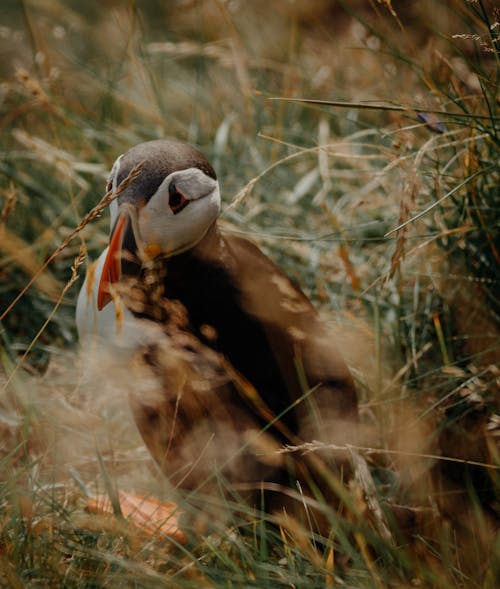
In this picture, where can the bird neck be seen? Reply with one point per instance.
(207, 240)
(211, 244)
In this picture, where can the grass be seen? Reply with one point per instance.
(382, 201)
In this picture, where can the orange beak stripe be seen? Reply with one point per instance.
(112, 269)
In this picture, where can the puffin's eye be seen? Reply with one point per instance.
(176, 200)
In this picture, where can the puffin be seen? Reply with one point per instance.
(242, 364)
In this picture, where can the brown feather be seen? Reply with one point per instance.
(243, 345)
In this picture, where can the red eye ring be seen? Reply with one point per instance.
(176, 200)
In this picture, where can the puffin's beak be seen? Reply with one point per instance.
(112, 269)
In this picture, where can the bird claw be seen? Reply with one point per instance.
(150, 515)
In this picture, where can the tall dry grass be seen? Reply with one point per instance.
(382, 202)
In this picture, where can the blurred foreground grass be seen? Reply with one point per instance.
(388, 217)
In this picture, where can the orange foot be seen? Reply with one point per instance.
(147, 513)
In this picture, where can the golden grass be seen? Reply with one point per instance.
(382, 216)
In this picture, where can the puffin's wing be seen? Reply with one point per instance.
(304, 348)
(193, 421)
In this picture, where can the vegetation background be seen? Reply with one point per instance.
(382, 202)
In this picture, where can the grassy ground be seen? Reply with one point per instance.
(384, 205)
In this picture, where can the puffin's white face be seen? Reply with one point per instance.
(177, 215)
(166, 210)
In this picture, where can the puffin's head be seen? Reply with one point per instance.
(165, 210)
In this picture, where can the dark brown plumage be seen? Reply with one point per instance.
(261, 322)
(246, 365)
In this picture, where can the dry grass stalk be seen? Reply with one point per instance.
(318, 446)
(9, 204)
(88, 218)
